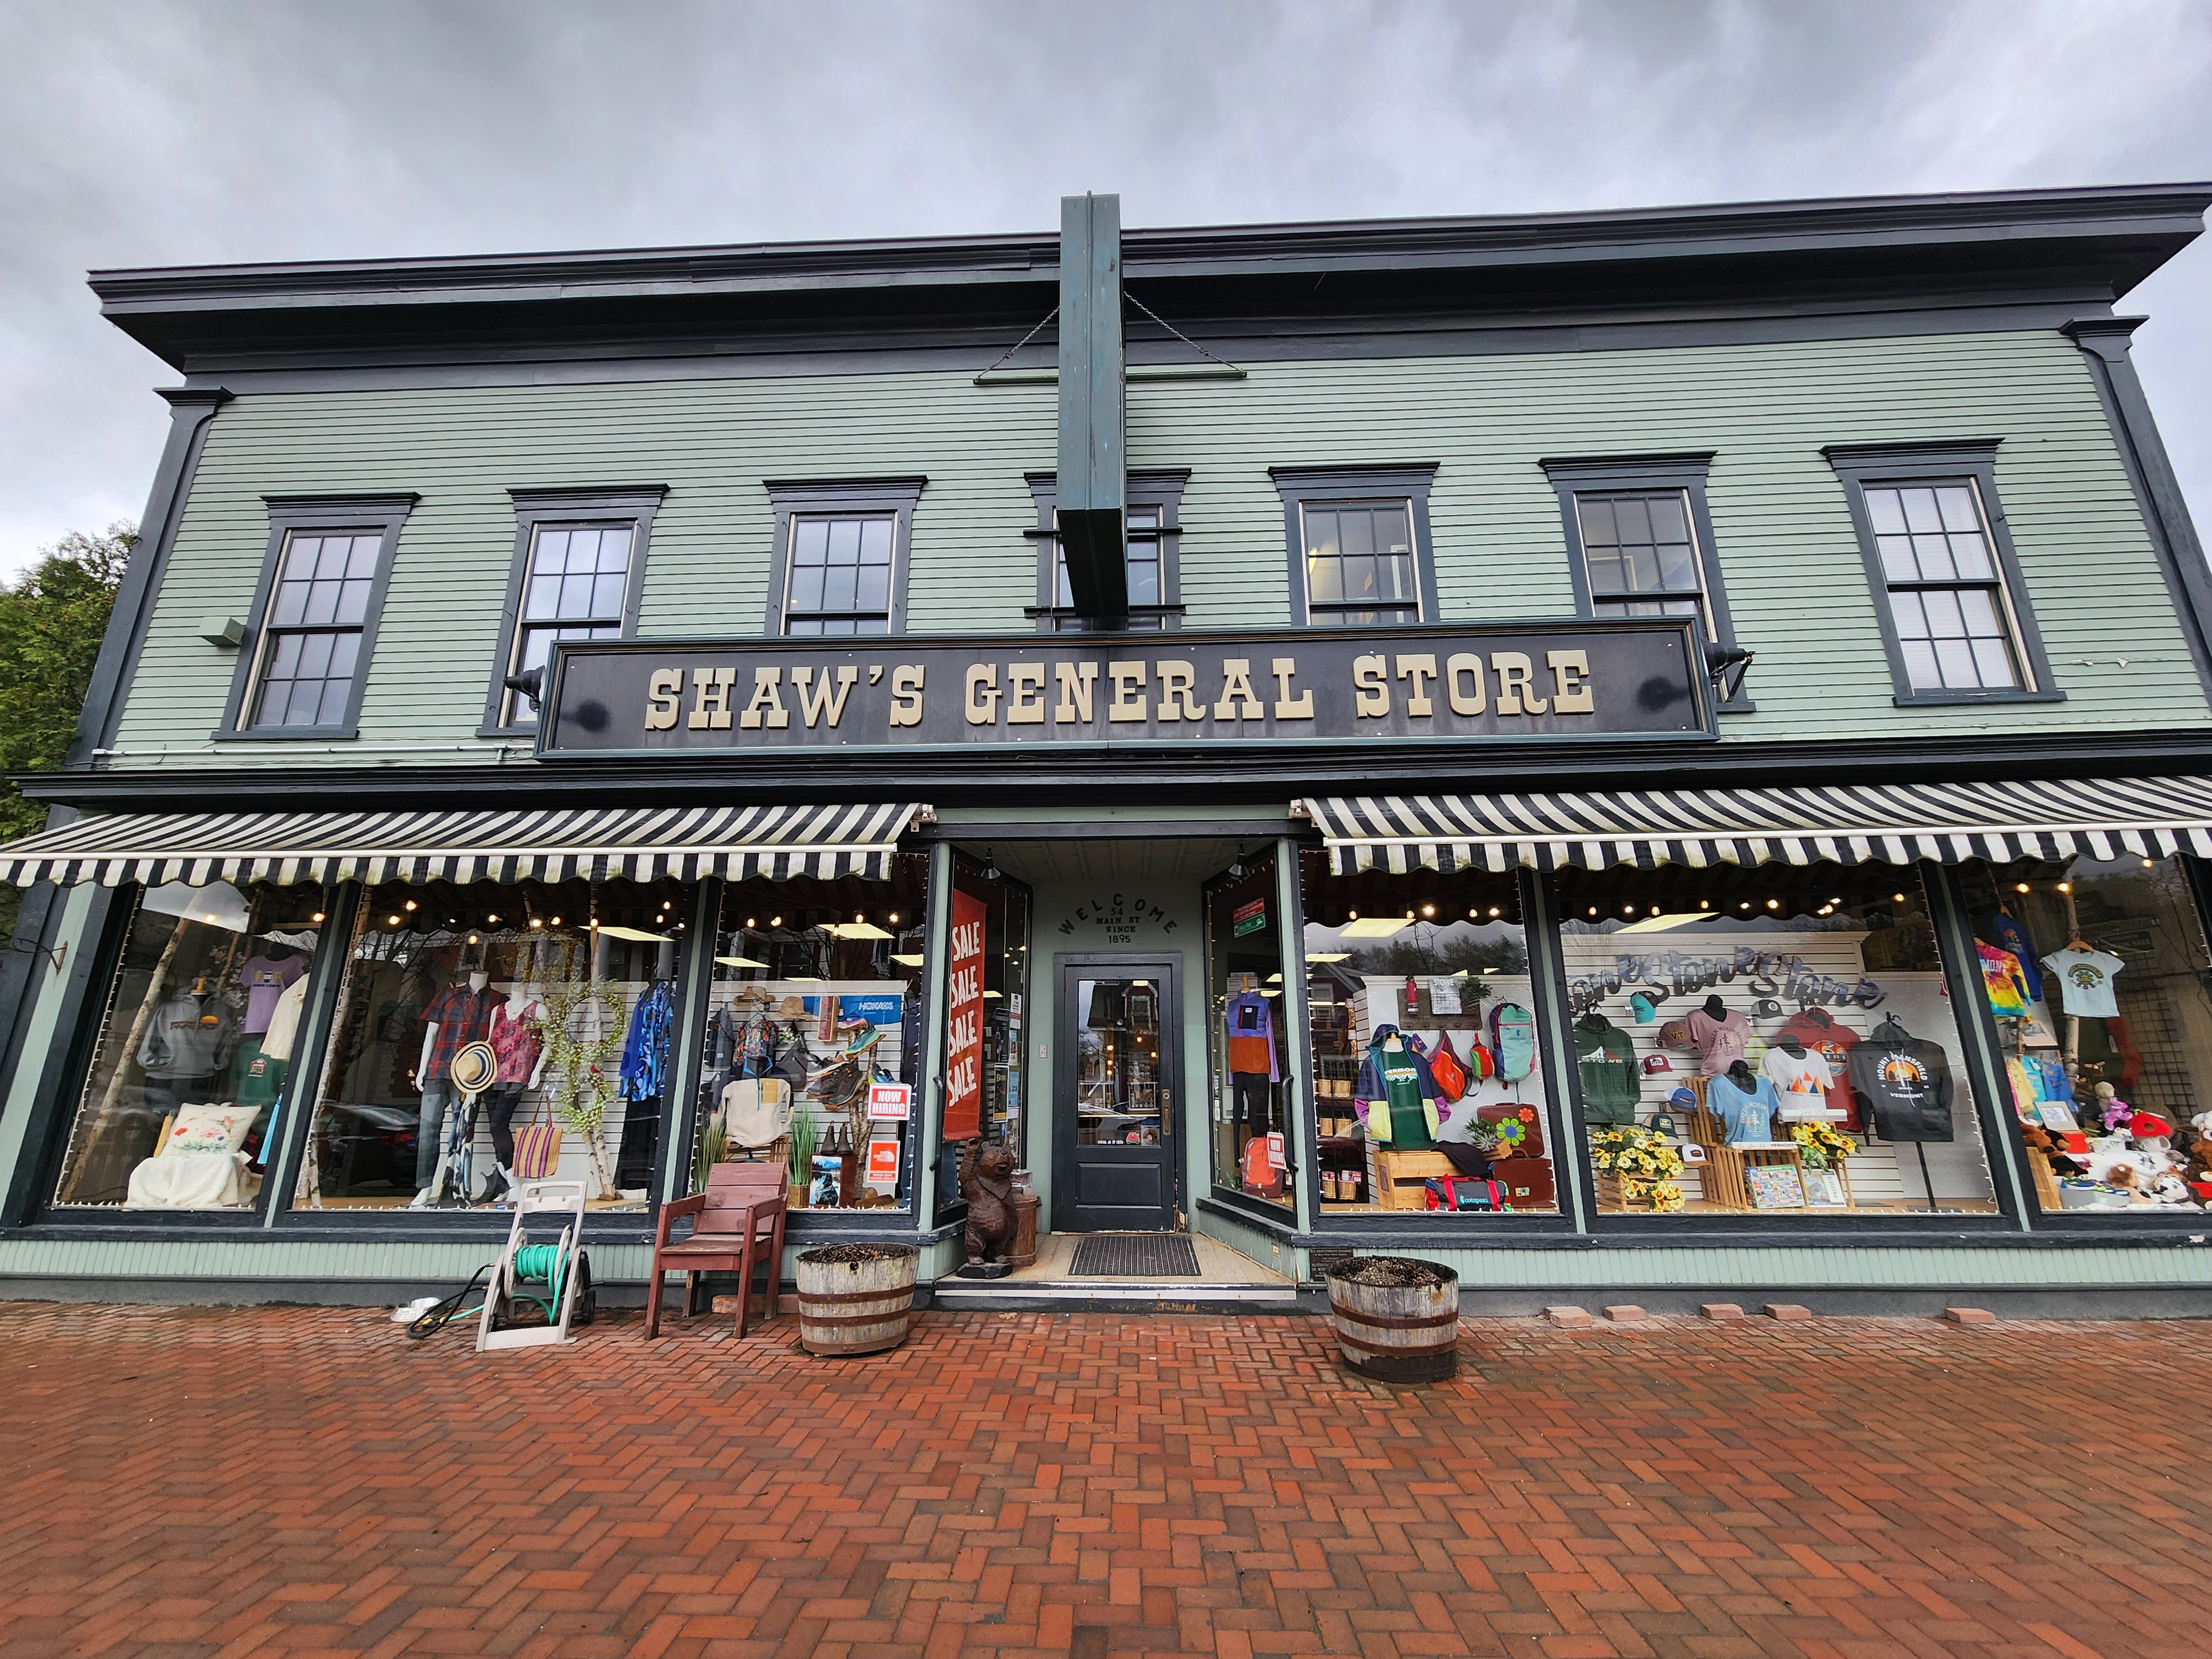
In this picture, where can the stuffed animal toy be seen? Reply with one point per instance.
(2111, 1111)
(2169, 1188)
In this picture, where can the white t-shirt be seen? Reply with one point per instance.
(2085, 981)
(1801, 1082)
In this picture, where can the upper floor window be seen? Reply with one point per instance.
(1359, 564)
(1359, 545)
(314, 617)
(1946, 597)
(841, 550)
(839, 578)
(1947, 587)
(1640, 541)
(312, 643)
(1641, 557)
(1153, 534)
(577, 558)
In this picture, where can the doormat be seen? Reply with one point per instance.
(1136, 1255)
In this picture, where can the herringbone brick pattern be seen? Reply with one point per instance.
(203, 1482)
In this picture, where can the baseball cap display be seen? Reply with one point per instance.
(1683, 1100)
(1674, 1033)
(1768, 1008)
(1643, 1008)
(1656, 1063)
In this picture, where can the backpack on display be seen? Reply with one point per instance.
(1463, 1193)
(1513, 1036)
(1445, 1065)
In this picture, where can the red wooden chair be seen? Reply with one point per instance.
(740, 1223)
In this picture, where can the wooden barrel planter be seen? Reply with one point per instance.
(1396, 1318)
(856, 1298)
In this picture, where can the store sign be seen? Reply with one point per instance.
(1634, 676)
(1249, 918)
(889, 1102)
(882, 1163)
(964, 1042)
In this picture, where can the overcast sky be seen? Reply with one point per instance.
(147, 134)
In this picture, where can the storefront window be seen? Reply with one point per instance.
(1778, 1039)
(572, 986)
(1428, 1086)
(987, 1004)
(1248, 1048)
(814, 1006)
(195, 1048)
(2096, 974)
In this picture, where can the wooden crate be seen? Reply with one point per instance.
(1413, 1167)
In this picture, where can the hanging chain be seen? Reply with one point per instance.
(1026, 339)
(1177, 332)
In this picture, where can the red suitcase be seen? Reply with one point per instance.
(1526, 1180)
(1531, 1119)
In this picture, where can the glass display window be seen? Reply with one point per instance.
(811, 1053)
(1429, 1083)
(1777, 1039)
(195, 1049)
(988, 1008)
(1247, 1042)
(2096, 970)
(572, 986)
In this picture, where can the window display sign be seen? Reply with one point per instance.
(889, 1102)
(1623, 677)
(964, 1046)
(882, 1163)
(1251, 918)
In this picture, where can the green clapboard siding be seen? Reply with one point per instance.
(1797, 588)
(1904, 1266)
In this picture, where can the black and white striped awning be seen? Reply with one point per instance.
(1875, 823)
(540, 844)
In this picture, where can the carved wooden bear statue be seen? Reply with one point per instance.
(986, 1182)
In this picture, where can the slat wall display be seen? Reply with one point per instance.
(1797, 588)
(1382, 1001)
(1883, 1175)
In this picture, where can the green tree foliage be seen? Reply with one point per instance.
(1438, 954)
(51, 620)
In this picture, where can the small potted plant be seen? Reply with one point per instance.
(798, 1159)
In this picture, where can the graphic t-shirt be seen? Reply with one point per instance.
(1834, 1042)
(1719, 1043)
(1251, 1022)
(1801, 1081)
(1744, 1117)
(1906, 1082)
(2006, 984)
(266, 980)
(2085, 981)
(2006, 930)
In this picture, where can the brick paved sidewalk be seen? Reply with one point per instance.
(286, 1481)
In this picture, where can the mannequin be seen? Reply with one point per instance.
(1745, 1104)
(1720, 1034)
(1904, 1082)
(458, 1015)
(1402, 1106)
(516, 1036)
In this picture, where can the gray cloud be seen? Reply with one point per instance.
(206, 131)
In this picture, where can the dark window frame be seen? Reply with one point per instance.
(1858, 465)
(1648, 475)
(288, 516)
(1409, 481)
(829, 497)
(1157, 487)
(505, 714)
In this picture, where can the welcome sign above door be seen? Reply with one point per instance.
(1631, 678)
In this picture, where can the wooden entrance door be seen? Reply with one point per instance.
(1115, 1089)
